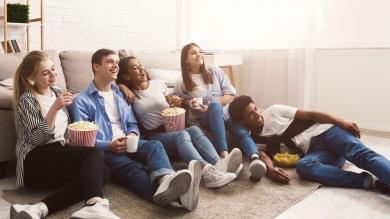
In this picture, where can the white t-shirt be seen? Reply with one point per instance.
(61, 119)
(150, 103)
(278, 117)
(200, 90)
(113, 114)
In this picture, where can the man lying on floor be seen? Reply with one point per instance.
(325, 141)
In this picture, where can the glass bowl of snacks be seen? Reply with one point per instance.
(286, 159)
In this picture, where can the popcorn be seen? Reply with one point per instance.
(286, 160)
(173, 111)
(83, 126)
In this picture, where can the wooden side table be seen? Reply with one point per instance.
(225, 61)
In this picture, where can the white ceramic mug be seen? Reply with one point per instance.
(196, 103)
(132, 143)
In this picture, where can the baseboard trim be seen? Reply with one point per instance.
(376, 133)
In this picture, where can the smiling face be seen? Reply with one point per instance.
(108, 69)
(136, 72)
(45, 76)
(194, 57)
(252, 118)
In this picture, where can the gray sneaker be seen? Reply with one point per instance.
(257, 169)
(213, 177)
(172, 187)
(190, 199)
(232, 163)
(25, 212)
(100, 210)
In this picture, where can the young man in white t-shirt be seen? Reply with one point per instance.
(327, 145)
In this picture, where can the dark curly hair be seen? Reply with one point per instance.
(237, 107)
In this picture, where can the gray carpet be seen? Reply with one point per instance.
(240, 199)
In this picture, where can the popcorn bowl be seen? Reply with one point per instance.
(82, 134)
(174, 119)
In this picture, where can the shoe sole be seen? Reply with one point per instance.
(221, 183)
(15, 214)
(239, 170)
(235, 161)
(256, 171)
(190, 199)
(176, 187)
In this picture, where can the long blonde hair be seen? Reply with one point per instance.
(26, 69)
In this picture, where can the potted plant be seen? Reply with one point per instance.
(17, 13)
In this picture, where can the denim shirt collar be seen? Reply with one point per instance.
(92, 88)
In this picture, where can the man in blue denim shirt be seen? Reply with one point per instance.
(103, 104)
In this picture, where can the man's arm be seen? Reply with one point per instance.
(321, 117)
(274, 173)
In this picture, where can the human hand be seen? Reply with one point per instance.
(174, 100)
(197, 106)
(64, 99)
(351, 127)
(278, 175)
(118, 145)
(127, 93)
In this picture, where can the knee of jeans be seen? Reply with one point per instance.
(215, 107)
(304, 167)
(156, 145)
(194, 131)
(183, 136)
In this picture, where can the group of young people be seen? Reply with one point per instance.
(123, 101)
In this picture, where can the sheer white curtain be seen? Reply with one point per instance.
(274, 36)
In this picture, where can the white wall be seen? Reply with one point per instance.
(353, 24)
(93, 24)
(354, 84)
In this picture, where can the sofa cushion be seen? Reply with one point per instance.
(168, 76)
(5, 98)
(10, 62)
(77, 69)
(155, 59)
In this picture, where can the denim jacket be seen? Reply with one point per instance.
(89, 106)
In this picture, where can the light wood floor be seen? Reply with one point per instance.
(322, 204)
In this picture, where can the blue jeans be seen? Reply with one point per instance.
(243, 138)
(128, 170)
(327, 154)
(214, 121)
(189, 144)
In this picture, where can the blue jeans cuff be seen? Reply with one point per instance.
(160, 172)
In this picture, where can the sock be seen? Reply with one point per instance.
(255, 157)
(163, 178)
(92, 201)
(42, 206)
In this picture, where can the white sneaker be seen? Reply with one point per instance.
(100, 210)
(172, 187)
(214, 178)
(26, 212)
(257, 169)
(232, 163)
(190, 199)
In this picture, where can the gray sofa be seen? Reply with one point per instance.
(74, 74)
